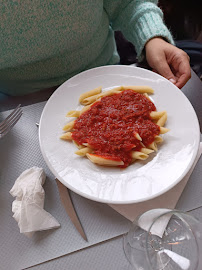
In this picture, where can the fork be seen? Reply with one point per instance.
(7, 124)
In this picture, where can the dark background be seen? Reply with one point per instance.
(184, 20)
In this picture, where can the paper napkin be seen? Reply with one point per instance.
(146, 220)
(28, 207)
(167, 200)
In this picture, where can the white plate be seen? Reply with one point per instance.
(141, 181)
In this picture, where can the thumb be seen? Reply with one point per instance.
(164, 70)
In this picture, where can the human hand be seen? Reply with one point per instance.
(168, 60)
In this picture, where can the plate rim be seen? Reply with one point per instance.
(102, 200)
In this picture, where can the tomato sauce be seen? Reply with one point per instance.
(110, 125)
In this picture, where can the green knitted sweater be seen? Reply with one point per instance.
(45, 42)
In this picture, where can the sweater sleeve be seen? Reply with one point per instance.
(138, 20)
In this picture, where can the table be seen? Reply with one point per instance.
(107, 254)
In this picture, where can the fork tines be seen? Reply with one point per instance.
(10, 121)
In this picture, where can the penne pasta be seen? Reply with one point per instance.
(143, 145)
(147, 96)
(109, 93)
(116, 89)
(84, 151)
(158, 139)
(153, 146)
(139, 155)
(89, 100)
(85, 108)
(69, 126)
(163, 130)
(137, 136)
(147, 150)
(139, 89)
(79, 146)
(66, 136)
(73, 114)
(112, 123)
(162, 120)
(90, 93)
(86, 145)
(94, 98)
(157, 115)
(104, 161)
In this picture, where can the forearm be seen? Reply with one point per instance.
(139, 21)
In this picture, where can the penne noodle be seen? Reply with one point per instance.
(89, 100)
(139, 89)
(89, 130)
(85, 108)
(162, 120)
(147, 96)
(163, 130)
(137, 136)
(158, 139)
(147, 150)
(153, 146)
(84, 151)
(103, 161)
(90, 93)
(143, 145)
(79, 146)
(109, 93)
(73, 114)
(139, 155)
(119, 88)
(157, 115)
(86, 145)
(69, 126)
(94, 98)
(66, 136)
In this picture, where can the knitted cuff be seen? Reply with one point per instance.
(149, 24)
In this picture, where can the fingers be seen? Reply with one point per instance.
(183, 79)
(156, 54)
(169, 61)
(164, 70)
(183, 70)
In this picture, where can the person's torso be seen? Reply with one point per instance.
(40, 29)
(45, 42)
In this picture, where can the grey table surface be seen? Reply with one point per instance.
(108, 254)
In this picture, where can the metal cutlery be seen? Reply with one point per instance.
(7, 124)
(68, 205)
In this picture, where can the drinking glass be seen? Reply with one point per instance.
(164, 239)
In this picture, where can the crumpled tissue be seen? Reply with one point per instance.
(28, 207)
